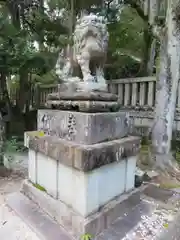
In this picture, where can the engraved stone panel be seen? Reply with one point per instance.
(84, 128)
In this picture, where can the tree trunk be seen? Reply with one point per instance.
(167, 86)
(152, 57)
(23, 89)
(154, 7)
(153, 11)
(4, 100)
(148, 38)
(5, 103)
(27, 120)
(146, 7)
(4, 91)
(2, 139)
(150, 9)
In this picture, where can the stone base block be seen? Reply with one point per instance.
(84, 106)
(85, 192)
(83, 128)
(79, 156)
(83, 96)
(74, 223)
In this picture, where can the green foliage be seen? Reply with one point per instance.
(47, 78)
(51, 31)
(122, 67)
(80, 5)
(18, 52)
(13, 145)
(17, 49)
(126, 35)
(125, 45)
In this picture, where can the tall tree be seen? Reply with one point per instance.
(167, 84)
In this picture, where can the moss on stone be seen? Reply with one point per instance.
(169, 185)
(36, 185)
(145, 140)
(86, 237)
(144, 149)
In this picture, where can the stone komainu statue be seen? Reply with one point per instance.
(90, 42)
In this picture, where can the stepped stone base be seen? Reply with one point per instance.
(83, 95)
(75, 224)
(83, 191)
(86, 191)
(80, 166)
(136, 220)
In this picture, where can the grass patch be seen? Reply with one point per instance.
(36, 185)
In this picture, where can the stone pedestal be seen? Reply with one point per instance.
(80, 166)
(83, 128)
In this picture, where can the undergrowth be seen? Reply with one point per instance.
(13, 145)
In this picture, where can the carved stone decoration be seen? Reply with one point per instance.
(71, 126)
(83, 101)
(90, 42)
(83, 106)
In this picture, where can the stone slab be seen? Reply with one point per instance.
(83, 157)
(44, 226)
(141, 219)
(75, 224)
(158, 193)
(83, 128)
(83, 106)
(151, 219)
(83, 95)
(177, 190)
(86, 191)
(173, 231)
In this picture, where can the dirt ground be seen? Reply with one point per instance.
(11, 226)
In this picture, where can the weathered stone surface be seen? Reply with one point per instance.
(84, 157)
(158, 221)
(84, 95)
(84, 197)
(83, 106)
(158, 193)
(38, 221)
(74, 223)
(85, 128)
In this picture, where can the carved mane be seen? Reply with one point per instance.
(90, 25)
